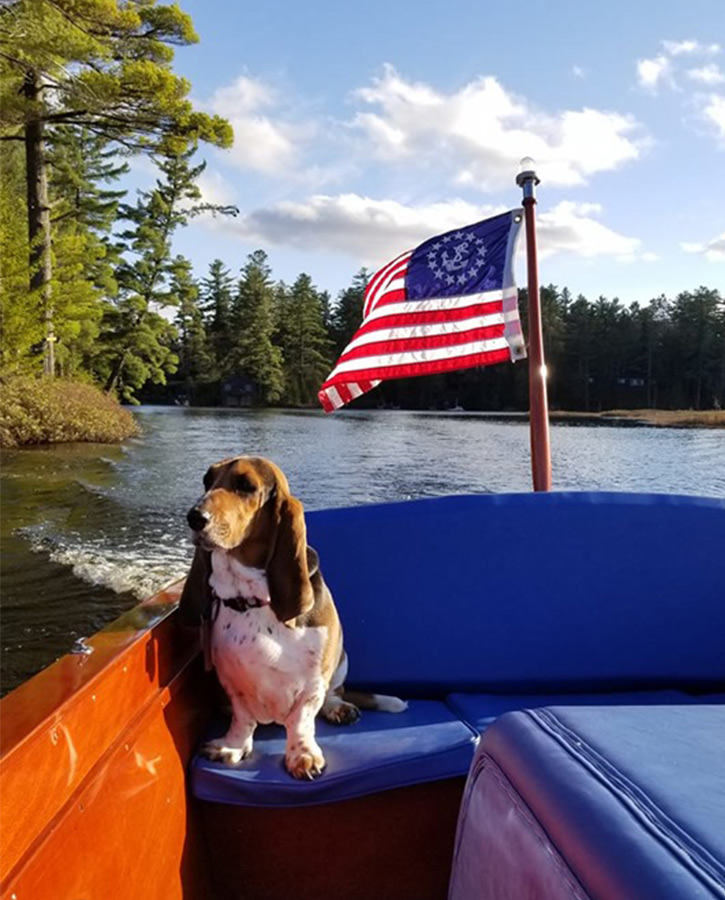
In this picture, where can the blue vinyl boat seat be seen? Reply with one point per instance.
(617, 803)
(427, 742)
(430, 741)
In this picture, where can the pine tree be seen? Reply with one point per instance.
(217, 291)
(253, 354)
(304, 343)
(131, 328)
(192, 347)
(82, 169)
(102, 65)
(348, 313)
(697, 346)
(84, 255)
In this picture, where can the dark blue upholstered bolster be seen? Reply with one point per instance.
(481, 710)
(633, 799)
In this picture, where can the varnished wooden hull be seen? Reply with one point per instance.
(92, 768)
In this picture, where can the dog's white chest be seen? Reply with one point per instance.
(259, 659)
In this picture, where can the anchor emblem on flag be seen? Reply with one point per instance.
(456, 258)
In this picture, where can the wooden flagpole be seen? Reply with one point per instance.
(538, 403)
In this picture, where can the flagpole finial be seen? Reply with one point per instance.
(527, 179)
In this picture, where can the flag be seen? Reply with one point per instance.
(449, 304)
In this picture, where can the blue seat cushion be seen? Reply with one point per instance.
(427, 742)
(632, 798)
(481, 710)
(529, 593)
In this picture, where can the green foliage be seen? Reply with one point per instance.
(76, 76)
(306, 348)
(217, 291)
(36, 411)
(136, 340)
(345, 319)
(253, 354)
(82, 169)
(109, 66)
(21, 320)
(192, 346)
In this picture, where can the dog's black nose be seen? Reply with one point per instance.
(196, 519)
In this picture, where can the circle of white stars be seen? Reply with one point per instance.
(437, 260)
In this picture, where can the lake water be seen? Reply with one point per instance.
(88, 530)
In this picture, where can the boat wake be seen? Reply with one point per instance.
(136, 570)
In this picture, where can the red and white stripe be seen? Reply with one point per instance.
(400, 338)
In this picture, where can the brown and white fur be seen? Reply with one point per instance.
(282, 659)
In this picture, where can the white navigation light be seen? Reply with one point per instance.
(527, 164)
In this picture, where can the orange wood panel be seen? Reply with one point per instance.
(58, 726)
(130, 830)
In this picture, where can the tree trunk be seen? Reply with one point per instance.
(112, 381)
(39, 213)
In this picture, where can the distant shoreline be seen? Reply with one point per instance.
(657, 418)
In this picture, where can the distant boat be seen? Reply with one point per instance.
(601, 613)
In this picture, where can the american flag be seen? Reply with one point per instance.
(449, 304)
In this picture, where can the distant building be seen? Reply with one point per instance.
(238, 391)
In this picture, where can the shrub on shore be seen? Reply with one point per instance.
(46, 411)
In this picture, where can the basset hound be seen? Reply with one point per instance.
(269, 624)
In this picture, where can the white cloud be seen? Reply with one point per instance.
(373, 231)
(666, 69)
(661, 69)
(710, 74)
(713, 251)
(261, 142)
(578, 72)
(714, 110)
(570, 228)
(689, 47)
(478, 134)
(370, 230)
(651, 72)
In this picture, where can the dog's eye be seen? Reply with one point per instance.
(208, 479)
(242, 485)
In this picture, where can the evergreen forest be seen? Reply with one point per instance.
(91, 288)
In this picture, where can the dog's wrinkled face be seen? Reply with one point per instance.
(232, 509)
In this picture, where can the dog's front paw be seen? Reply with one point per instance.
(305, 762)
(219, 751)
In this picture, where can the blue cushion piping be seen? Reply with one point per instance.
(692, 854)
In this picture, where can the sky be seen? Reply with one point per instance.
(362, 129)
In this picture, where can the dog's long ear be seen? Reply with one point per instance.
(196, 595)
(288, 577)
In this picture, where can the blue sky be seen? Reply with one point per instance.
(362, 129)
